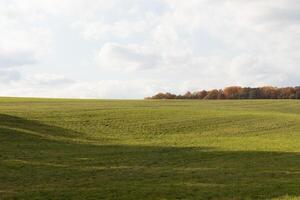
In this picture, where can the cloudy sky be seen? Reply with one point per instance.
(135, 48)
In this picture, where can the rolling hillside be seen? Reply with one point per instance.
(176, 149)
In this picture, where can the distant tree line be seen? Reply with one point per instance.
(236, 92)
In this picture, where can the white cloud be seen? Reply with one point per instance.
(56, 86)
(15, 59)
(23, 41)
(127, 57)
(147, 46)
(6, 76)
(47, 80)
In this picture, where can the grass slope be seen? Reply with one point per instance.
(91, 149)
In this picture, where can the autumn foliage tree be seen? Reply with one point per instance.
(297, 94)
(213, 94)
(237, 92)
(233, 92)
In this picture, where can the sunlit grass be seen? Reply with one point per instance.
(100, 149)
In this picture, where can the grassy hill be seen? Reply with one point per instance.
(97, 149)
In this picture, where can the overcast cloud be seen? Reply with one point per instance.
(135, 48)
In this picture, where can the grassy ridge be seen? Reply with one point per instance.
(91, 149)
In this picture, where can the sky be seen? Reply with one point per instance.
(130, 49)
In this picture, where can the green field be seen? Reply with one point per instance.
(98, 149)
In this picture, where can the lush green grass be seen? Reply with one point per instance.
(91, 149)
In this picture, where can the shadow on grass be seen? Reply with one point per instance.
(35, 168)
(34, 127)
